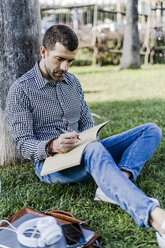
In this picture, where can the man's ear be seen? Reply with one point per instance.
(43, 51)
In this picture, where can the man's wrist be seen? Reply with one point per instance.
(49, 148)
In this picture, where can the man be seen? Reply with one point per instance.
(47, 100)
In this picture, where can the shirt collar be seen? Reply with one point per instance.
(66, 78)
(42, 82)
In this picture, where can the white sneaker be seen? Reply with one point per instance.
(100, 196)
(161, 237)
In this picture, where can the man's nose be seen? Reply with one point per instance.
(64, 65)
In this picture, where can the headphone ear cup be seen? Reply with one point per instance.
(52, 234)
(45, 222)
(40, 242)
(51, 239)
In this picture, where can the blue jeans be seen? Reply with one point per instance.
(104, 161)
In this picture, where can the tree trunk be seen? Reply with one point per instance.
(148, 42)
(131, 47)
(118, 8)
(19, 50)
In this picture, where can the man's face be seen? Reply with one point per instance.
(57, 61)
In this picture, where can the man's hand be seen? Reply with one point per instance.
(65, 142)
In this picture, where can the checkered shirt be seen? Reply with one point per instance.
(37, 109)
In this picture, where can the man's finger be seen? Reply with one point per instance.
(66, 147)
(68, 141)
(69, 135)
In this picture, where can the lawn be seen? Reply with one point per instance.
(128, 98)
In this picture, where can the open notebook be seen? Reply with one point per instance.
(72, 158)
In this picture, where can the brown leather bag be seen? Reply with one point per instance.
(62, 217)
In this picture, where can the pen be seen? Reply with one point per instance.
(65, 131)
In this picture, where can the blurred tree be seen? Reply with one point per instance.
(118, 4)
(131, 47)
(19, 50)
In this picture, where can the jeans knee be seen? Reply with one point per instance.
(94, 146)
(155, 131)
(92, 154)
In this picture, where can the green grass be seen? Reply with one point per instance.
(111, 84)
(128, 98)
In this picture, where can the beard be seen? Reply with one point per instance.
(56, 75)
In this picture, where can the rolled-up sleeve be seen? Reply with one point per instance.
(20, 119)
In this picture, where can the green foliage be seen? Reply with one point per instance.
(81, 62)
(83, 58)
(125, 98)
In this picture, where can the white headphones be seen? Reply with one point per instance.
(43, 230)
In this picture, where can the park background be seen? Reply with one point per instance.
(122, 81)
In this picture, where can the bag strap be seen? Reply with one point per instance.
(64, 217)
(61, 216)
(61, 212)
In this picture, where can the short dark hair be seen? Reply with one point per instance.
(62, 34)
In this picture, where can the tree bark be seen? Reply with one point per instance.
(20, 29)
(131, 47)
